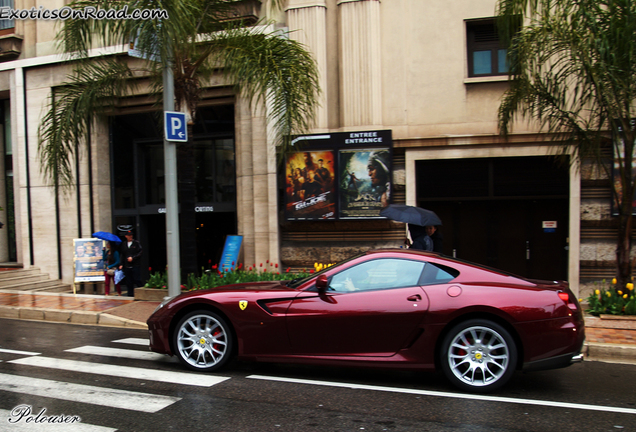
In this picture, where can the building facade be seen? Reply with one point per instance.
(431, 73)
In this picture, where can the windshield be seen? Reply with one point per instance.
(295, 283)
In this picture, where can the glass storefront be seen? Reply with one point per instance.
(138, 192)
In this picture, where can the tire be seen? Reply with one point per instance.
(478, 355)
(203, 341)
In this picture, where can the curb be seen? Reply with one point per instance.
(72, 317)
(610, 353)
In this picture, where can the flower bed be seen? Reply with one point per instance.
(214, 276)
(612, 300)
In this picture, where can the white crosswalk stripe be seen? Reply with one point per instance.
(8, 351)
(94, 395)
(84, 393)
(18, 424)
(122, 353)
(122, 371)
(134, 341)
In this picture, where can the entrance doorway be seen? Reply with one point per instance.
(508, 213)
(138, 188)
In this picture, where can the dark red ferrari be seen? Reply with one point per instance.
(390, 308)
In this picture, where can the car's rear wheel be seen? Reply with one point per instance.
(478, 355)
(203, 341)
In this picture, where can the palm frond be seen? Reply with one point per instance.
(89, 91)
(269, 67)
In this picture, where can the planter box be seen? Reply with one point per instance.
(150, 294)
(626, 322)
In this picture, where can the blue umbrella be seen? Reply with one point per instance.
(103, 235)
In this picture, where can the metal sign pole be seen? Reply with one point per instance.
(172, 203)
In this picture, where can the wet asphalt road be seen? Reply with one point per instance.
(583, 397)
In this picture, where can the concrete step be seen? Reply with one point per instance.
(58, 288)
(22, 280)
(31, 280)
(8, 274)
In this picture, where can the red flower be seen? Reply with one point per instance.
(232, 262)
(287, 271)
(209, 261)
(250, 269)
(311, 271)
(276, 265)
(261, 265)
(240, 266)
(214, 267)
(267, 261)
(149, 269)
(265, 271)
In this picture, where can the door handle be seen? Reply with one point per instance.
(415, 297)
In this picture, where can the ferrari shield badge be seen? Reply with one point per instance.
(243, 304)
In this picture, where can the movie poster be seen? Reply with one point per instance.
(310, 186)
(88, 260)
(365, 182)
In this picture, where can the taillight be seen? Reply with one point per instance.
(565, 296)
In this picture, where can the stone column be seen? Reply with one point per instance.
(256, 186)
(360, 63)
(307, 24)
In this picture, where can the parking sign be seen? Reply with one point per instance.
(175, 126)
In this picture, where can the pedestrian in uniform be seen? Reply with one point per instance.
(131, 262)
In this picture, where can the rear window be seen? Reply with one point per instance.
(437, 274)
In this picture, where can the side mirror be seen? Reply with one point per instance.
(322, 283)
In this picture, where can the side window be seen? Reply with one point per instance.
(6, 23)
(438, 274)
(486, 54)
(378, 274)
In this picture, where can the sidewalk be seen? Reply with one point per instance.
(609, 339)
(118, 311)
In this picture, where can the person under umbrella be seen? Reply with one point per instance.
(421, 239)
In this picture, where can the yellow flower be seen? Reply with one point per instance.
(597, 292)
(614, 281)
(609, 294)
(625, 296)
(619, 292)
(630, 286)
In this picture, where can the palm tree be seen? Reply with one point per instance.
(573, 67)
(199, 39)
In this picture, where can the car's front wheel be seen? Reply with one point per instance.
(203, 341)
(478, 355)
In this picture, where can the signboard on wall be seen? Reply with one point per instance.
(88, 260)
(344, 175)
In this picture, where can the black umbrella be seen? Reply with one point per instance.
(410, 215)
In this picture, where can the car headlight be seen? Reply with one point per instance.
(164, 302)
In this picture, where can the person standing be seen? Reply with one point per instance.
(421, 240)
(130, 262)
(111, 257)
(435, 234)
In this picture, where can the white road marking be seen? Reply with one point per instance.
(134, 341)
(123, 371)
(114, 398)
(8, 351)
(118, 352)
(450, 395)
(20, 426)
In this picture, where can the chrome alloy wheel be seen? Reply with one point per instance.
(203, 341)
(478, 356)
